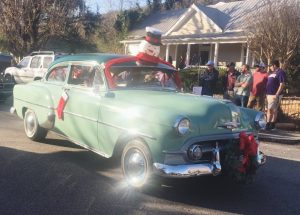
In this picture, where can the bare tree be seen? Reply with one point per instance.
(28, 24)
(274, 31)
(107, 37)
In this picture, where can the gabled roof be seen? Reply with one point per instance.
(233, 16)
(228, 17)
(161, 20)
(194, 21)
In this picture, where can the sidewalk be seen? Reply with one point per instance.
(280, 136)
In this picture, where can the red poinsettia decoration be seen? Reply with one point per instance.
(248, 148)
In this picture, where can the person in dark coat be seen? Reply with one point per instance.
(209, 79)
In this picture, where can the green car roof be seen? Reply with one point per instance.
(100, 58)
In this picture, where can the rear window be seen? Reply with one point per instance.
(47, 61)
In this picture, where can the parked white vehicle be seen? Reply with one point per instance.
(32, 67)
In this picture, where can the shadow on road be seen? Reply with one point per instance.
(81, 182)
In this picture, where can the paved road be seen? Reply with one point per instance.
(57, 177)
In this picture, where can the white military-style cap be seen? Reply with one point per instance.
(153, 36)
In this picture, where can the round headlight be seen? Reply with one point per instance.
(260, 120)
(195, 152)
(182, 125)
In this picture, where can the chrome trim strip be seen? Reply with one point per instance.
(81, 116)
(229, 125)
(44, 106)
(110, 125)
(83, 145)
(129, 131)
(93, 120)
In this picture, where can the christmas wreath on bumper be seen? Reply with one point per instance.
(241, 160)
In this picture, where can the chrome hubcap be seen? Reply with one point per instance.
(30, 124)
(135, 167)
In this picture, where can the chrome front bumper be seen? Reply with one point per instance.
(191, 170)
(185, 171)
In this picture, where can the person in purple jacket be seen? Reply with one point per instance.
(274, 91)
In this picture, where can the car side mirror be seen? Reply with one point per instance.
(110, 95)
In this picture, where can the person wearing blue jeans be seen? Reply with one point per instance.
(243, 87)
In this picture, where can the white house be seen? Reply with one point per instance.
(201, 33)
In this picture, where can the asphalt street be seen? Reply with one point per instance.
(58, 177)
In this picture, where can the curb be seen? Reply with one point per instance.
(279, 136)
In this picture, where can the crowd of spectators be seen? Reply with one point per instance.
(249, 89)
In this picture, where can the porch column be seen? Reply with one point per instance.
(125, 48)
(247, 55)
(188, 53)
(216, 55)
(211, 52)
(253, 60)
(242, 54)
(176, 50)
(167, 52)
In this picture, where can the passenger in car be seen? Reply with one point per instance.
(88, 82)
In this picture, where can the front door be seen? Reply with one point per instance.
(82, 107)
(204, 55)
(55, 82)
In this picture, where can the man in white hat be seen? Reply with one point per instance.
(209, 79)
(258, 91)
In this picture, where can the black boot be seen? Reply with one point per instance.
(268, 126)
(272, 125)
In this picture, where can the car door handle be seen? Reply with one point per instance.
(66, 89)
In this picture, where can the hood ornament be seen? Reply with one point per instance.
(229, 125)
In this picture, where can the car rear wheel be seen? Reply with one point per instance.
(136, 164)
(32, 127)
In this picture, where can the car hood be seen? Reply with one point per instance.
(163, 107)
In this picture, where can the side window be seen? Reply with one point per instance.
(47, 61)
(82, 75)
(35, 62)
(58, 74)
(24, 62)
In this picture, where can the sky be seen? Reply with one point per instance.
(108, 5)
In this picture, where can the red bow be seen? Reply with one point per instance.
(249, 147)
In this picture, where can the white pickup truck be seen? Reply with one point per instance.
(32, 67)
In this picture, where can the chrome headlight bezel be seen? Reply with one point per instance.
(182, 125)
(260, 120)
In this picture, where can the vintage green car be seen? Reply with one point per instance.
(118, 105)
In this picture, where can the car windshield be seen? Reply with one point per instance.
(24, 62)
(143, 78)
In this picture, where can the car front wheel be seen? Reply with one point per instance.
(9, 78)
(136, 163)
(32, 127)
